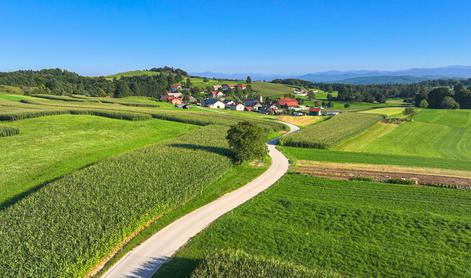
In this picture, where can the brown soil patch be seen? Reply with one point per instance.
(425, 176)
(300, 120)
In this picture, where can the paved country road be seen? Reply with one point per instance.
(145, 259)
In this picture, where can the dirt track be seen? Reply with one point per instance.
(425, 176)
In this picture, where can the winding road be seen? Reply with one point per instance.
(145, 259)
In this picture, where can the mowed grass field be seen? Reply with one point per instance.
(433, 133)
(354, 228)
(271, 89)
(49, 147)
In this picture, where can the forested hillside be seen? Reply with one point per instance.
(60, 82)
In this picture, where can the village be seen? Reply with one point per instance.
(221, 97)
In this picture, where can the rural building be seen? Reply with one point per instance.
(287, 102)
(236, 106)
(249, 108)
(315, 111)
(175, 87)
(226, 87)
(215, 94)
(256, 105)
(175, 100)
(216, 87)
(242, 86)
(214, 103)
(270, 109)
(175, 94)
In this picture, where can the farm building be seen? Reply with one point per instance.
(256, 105)
(315, 111)
(236, 107)
(214, 103)
(175, 94)
(175, 87)
(226, 87)
(215, 94)
(174, 100)
(287, 102)
(242, 86)
(216, 87)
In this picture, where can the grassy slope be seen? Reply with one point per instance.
(271, 89)
(362, 229)
(131, 73)
(49, 147)
(434, 133)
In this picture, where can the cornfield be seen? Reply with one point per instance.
(331, 132)
(8, 131)
(65, 228)
(240, 264)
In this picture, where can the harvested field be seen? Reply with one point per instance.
(301, 120)
(425, 176)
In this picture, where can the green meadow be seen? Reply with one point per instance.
(353, 228)
(433, 133)
(271, 89)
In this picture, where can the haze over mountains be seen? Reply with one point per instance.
(407, 76)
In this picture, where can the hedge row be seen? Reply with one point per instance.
(8, 131)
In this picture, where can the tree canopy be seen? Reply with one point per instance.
(247, 140)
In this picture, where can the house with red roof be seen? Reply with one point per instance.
(287, 102)
(315, 111)
(175, 87)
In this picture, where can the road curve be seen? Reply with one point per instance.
(146, 259)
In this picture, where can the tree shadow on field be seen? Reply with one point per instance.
(217, 150)
(178, 267)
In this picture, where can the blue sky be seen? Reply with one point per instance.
(102, 37)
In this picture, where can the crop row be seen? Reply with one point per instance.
(8, 131)
(331, 132)
(241, 264)
(65, 228)
(130, 116)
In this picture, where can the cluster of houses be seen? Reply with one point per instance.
(217, 100)
(281, 106)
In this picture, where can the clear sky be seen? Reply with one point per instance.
(102, 37)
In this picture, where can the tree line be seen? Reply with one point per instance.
(440, 93)
(62, 82)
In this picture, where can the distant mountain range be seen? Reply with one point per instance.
(407, 76)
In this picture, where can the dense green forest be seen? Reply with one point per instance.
(61, 82)
(442, 93)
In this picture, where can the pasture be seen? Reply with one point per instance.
(49, 147)
(271, 90)
(331, 132)
(131, 74)
(442, 134)
(347, 227)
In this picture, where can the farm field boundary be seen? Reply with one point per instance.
(425, 176)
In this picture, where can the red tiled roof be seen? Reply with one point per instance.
(286, 101)
(314, 109)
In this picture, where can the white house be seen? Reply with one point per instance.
(214, 103)
(236, 107)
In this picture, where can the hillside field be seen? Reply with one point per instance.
(353, 228)
(433, 133)
(49, 147)
(271, 89)
(131, 74)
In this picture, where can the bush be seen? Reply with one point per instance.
(402, 181)
(369, 179)
(8, 131)
(247, 141)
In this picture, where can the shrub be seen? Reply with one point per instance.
(360, 178)
(8, 131)
(402, 181)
